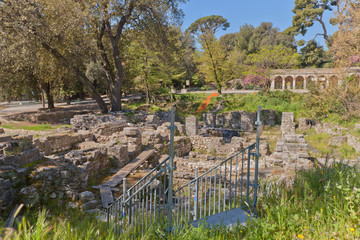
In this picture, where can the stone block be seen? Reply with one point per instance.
(287, 123)
(354, 142)
(209, 120)
(89, 205)
(191, 125)
(304, 124)
(86, 196)
(338, 141)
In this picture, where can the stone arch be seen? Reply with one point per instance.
(278, 82)
(299, 82)
(321, 81)
(334, 80)
(310, 82)
(289, 82)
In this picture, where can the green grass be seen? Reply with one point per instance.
(319, 141)
(322, 204)
(39, 127)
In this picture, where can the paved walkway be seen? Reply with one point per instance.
(230, 218)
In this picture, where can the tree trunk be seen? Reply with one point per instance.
(147, 91)
(87, 83)
(117, 83)
(218, 87)
(49, 96)
(42, 96)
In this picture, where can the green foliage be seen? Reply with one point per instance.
(307, 12)
(312, 55)
(274, 57)
(251, 39)
(211, 60)
(321, 204)
(208, 25)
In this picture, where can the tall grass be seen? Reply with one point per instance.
(322, 204)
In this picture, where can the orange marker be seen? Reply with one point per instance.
(205, 103)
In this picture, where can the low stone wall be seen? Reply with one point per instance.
(18, 151)
(239, 120)
(60, 142)
(47, 117)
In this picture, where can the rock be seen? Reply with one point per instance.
(53, 195)
(357, 127)
(29, 195)
(338, 141)
(86, 196)
(6, 193)
(153, 119)
(72, 205)
(354, 142)
(304, 124)
(90, 121)
(89, 205)
(2, 131)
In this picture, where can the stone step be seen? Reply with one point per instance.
(125, 171)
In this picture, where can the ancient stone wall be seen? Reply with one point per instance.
(239, 120)
(61, 142)
(287, 123)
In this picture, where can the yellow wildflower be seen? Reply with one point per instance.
(321, 209)
(352, 229)
(300, 236)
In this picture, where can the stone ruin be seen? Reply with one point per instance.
(242, 120)
(62, 168)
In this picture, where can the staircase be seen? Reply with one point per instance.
(224, 195)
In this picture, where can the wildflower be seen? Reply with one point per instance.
(300, 236)
(240, 231)
(305, 227)
(352, 229)
(321, 209)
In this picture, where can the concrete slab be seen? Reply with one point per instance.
(229, 218)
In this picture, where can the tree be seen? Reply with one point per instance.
(346, 40)
(67, 29)
(312, 55)
(58, 27)
(212, 57)
(274, 57)
(307, 12)
(251, 39)
(154, 64)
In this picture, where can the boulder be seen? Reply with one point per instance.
(86, 196)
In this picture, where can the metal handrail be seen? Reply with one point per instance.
(152, 171)
(251, 147)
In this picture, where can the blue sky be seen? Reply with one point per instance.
(239, 12)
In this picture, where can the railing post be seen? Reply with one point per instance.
(172, 128)
(258, 124)
(196, 198)
(124, 198)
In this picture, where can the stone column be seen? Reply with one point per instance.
(294, 82)
(283, 84)
(305, 80)
(272, 86)
(191, 125)
(287, 123)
